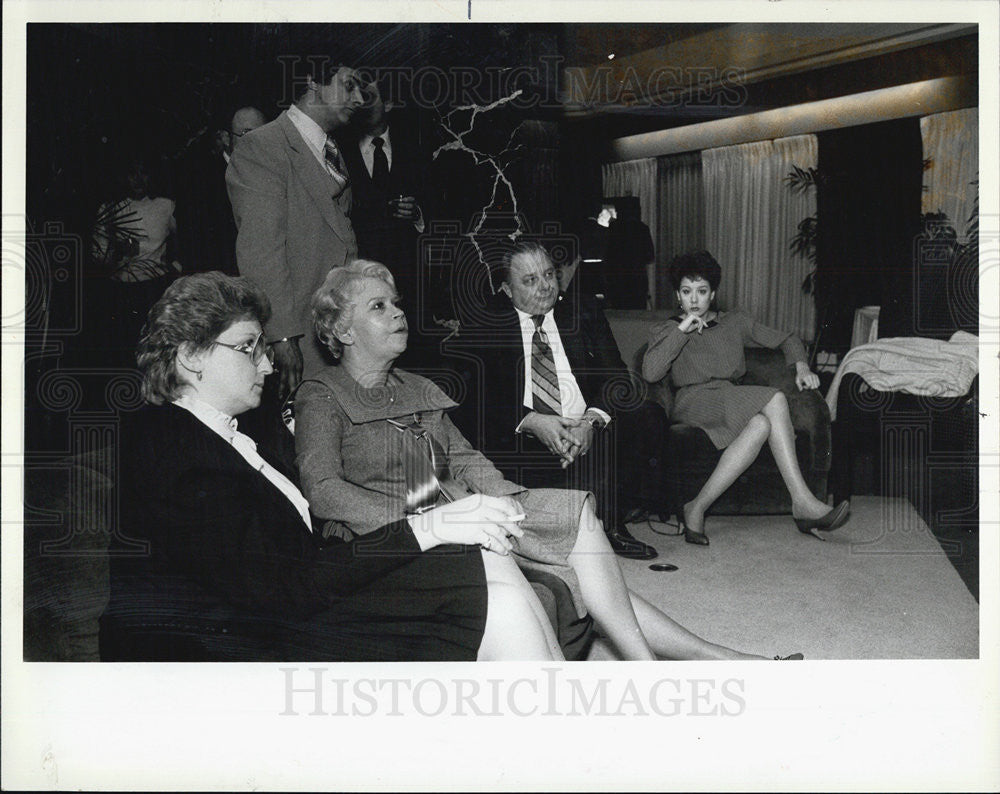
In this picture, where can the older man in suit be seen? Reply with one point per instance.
(553, 405)
(291, 198)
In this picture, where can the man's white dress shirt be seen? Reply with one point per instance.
(573, 403)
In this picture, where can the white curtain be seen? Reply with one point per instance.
(681, 225)
(635, 178)
(951, 143)
(751, 216)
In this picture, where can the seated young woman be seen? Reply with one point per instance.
(223, 521)
(701, 349)
(375, 444)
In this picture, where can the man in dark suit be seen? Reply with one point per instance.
(388, 174)
(552, 404)
(291, 197)
(630, 251)
(205, 226)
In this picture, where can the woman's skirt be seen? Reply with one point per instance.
(721, 408)
(432, 608)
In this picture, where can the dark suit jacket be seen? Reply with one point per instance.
(206, 230)
(213, 520)
(493, 364)
(293, 226)
(392, 241)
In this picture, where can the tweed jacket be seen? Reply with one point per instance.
(293, 226)
(350, 458)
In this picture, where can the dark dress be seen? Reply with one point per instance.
(705, 370)
(223, 540)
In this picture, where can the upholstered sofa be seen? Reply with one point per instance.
(67, 520)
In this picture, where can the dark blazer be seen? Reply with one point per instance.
(293, 226)
(206, 230)
(392, 241)
(232, 573)
(212, 519)
(493, 367)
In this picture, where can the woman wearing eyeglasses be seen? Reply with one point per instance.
(229, 533)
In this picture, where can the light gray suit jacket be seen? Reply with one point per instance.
(293, 226)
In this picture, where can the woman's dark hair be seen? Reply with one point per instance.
(194, 311)
(695, 265)
(141, 169)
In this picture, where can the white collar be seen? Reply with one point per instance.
(314, 134)
(525, 318)
(222, 423)
(366, 140)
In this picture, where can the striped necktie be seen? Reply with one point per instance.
(424, 462)
(335, 163)
(544, 380)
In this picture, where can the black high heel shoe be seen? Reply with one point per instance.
(691, 535)
(834, 519)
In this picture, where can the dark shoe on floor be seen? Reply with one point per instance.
(624, 545)
(698, 538)
(834, 519)
(792, 657)
(692, 535)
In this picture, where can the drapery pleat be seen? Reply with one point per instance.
(951, 143)
(634, 178)
(681, 225)
(751, 216)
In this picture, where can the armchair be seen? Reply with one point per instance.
(759, 490)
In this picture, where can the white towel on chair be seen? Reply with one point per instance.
(930, 367)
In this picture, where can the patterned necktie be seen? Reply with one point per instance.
(544, 380)
(334, 163)
(424, 462)
(380, 165)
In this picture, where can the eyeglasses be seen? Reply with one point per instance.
(256, 349)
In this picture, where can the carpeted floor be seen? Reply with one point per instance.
(878, 588)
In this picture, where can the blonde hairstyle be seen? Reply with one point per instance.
(333, 303)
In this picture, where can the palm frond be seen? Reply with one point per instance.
(804, 242)
(801, 179)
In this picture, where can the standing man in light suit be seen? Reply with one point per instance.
(291, 197)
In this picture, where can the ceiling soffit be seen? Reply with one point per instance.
(711, 66)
